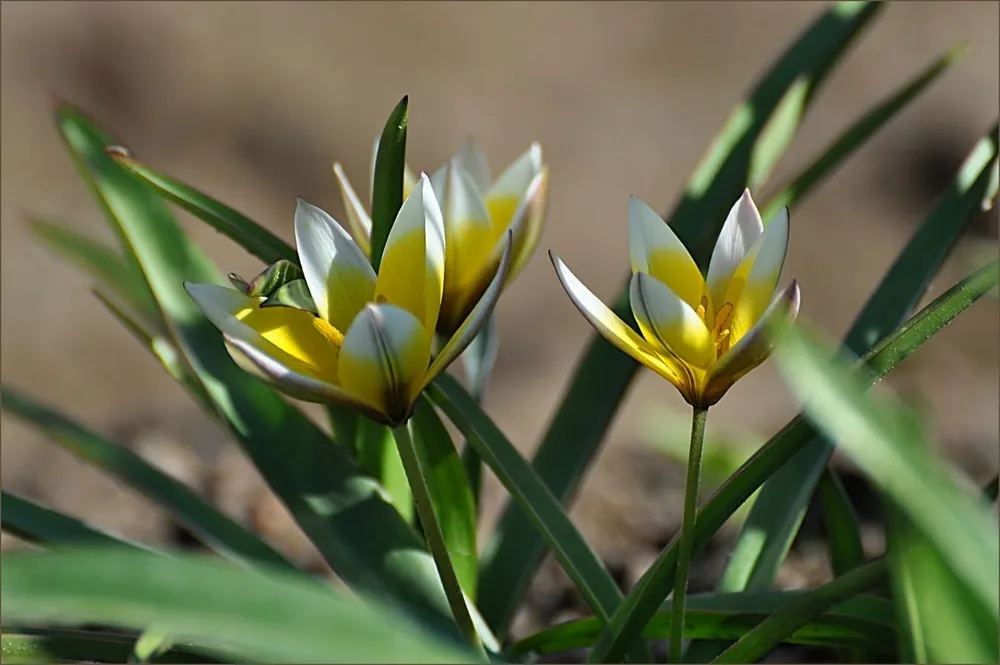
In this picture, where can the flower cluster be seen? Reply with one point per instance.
(366, 339)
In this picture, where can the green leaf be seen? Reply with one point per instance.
(292, 294)
(248, 234)
(777, 628)
(109, 270)
(46, 645)
(210, 526)
(857, 134)
(642, 602)
(886, 442)
(584, 568)
(842, 531)
(780, 507)
(478, 360)
(275, 617)
(37, 524)
(387, 187)
(862, 621)
(275, 276)
(376, 455)
(937, 617)
(450, 493)
(150, 645)
(343, 512)
(604, 374)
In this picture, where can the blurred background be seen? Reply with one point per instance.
(253, 102)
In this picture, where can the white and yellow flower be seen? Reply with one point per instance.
(370, 345)
(700, 334)
(477, 212)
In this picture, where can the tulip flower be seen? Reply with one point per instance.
(701, 334)
(368, 343)
(477, 213)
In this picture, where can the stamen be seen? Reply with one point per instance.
(381, 299)
(702, 310)
(333, 335)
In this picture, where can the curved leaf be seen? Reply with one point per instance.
(387, 186)
(275, 617)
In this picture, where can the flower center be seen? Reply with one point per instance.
(720, 325)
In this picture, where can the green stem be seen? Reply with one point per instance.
(435, 538)
(686, 545)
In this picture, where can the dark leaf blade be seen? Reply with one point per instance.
(282, 618)
(234, 225)
(43, 526)
(450, 493)
(387, 187)
(210, 526)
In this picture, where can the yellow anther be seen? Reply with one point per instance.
(328, 331)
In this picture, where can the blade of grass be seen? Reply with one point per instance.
(644, 599)
(343, 512)
(778, 627)
(250, 235)
(588, 573)
(857, 134)
(43, 526)
(778, 511)
(862, 621)
(889, 445)
(211, 527)
(604, 374)
(265, 618)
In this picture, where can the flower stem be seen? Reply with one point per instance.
(686, 544)
(434, 535)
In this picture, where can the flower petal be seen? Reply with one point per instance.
(742, 228)
(279, 345)
(657, 251)
(754, 347)
(358, 219)
(257, 362)
(384, 359)
(476, 319)
(339, 276)
(528, 222)
(612, 328)
(761, 270)
(669, 323)
(409, 179)
(505, 195)
(471, 158)
(412, 272)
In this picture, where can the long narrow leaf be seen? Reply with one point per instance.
(209, 525)
(842, 530)
(938, 619)
(26, 646)
(110, 271)
(360, 535)
(855, 136)
(37, 524)
(642, 602)
(604, 374)
(278, 618)
(450, 493)
(250, 235)
(387, 185)
(778, 511)
(781, 625)
(888, 445)
(576, 557)
(862, 622)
